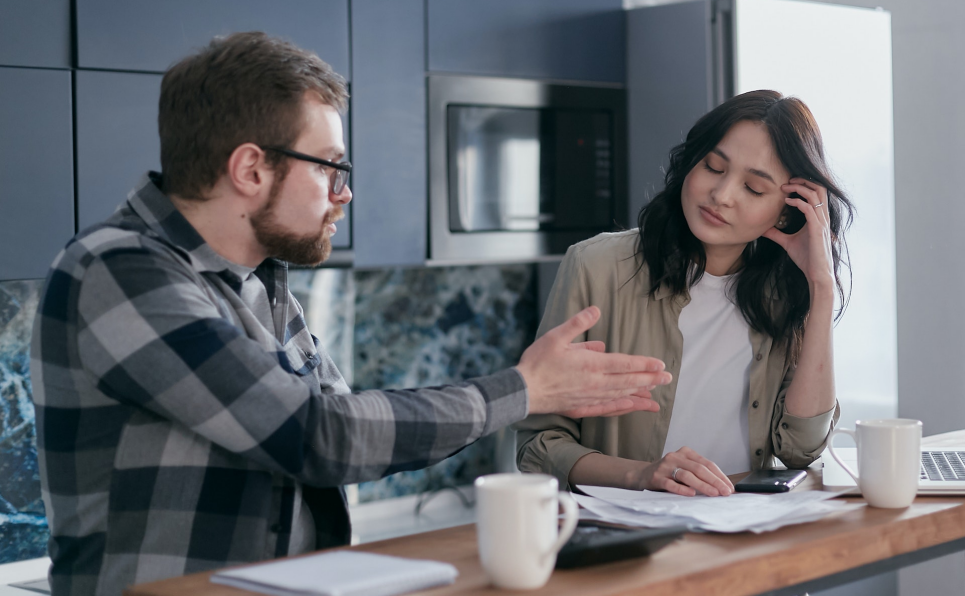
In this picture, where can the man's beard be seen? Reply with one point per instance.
(310, 249)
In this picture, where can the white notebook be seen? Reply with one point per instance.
(340, 573)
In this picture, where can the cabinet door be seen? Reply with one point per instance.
(147, 35)
(35, 33)
(388, 132)
(544, 39)
(36, 170)
(117, 139)
(670, 84)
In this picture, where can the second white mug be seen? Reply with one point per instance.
(889, 460)
(517, 522)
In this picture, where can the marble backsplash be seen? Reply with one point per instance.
(23, 527)
(384, 329)
(417, 327)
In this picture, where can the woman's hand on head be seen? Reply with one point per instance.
(694, 474)
(810, 247)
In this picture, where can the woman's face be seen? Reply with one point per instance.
(733, 195)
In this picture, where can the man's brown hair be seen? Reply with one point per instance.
(243, 88)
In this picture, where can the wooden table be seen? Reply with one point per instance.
(793, 560)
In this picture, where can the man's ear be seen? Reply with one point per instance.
(247, 171)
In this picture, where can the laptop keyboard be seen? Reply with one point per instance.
(942, 465)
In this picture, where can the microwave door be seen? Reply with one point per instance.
(494, 165)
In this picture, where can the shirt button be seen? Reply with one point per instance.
(784, 425)
(756, 403)
(758, 357)
(759, 452)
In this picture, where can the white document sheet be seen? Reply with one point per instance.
(340, 573)
(739, 512)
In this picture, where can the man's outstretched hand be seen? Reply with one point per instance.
(581, 380)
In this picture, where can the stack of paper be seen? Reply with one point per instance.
(739, 512)
(340, 573)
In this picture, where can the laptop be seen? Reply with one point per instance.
(942, 471)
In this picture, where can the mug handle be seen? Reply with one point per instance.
(571, 515)
(850, 433)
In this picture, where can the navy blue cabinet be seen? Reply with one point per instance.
(146, 35)
(544, 39)
(35, 33)
(117, 139)
(389, 132)
(36, 170)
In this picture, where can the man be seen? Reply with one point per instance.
(186, 417)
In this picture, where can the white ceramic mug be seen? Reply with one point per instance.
(889, 460)
(517, 522)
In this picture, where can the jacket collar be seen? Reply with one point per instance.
(663, 292)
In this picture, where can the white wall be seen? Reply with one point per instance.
(929, 93)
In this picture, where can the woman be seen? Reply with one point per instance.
(731, 281)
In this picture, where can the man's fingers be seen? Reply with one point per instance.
(576, 325)
(630, 381)
(633, 403)
(614, 407)
(624, 363)
(593, 346)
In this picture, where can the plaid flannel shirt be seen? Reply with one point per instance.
(166, 412)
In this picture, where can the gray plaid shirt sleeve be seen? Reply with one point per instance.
(155, 339)
(167, 414)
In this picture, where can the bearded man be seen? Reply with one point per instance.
(187, 419)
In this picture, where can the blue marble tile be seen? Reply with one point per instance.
(23, 527)
(328, 299)
(417, 327)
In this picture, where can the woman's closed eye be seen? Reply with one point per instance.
(712, 170)
(753, 192)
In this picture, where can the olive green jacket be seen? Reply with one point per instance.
(606, 272)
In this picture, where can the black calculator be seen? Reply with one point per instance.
(594, 543)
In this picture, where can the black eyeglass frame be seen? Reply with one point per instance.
(340, 180)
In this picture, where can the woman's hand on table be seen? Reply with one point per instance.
(685, 472)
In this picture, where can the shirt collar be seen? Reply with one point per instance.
(164, 219)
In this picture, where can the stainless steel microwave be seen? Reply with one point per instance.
(519, 170)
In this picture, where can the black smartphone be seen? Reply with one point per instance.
(795, 219)
(770, 481)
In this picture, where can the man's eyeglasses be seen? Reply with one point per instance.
(342, 170)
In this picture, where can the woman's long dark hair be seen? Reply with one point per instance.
(771, 291)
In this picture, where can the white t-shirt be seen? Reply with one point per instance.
(710, 406)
